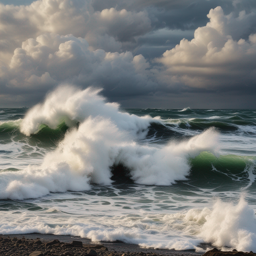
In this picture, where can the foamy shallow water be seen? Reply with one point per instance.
(150, 216)
(179, 178)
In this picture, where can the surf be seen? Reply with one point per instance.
(100, 136)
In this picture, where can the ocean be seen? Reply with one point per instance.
(78, 165)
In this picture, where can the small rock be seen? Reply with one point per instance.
(18, 241)
(77, 243)
(55, 241)
(36, 253)
(38, 242)
(91, 252)
(216, 252)
(67, 254)
(6, 240)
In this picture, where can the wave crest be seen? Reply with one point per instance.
(105, 137)
(71, 105)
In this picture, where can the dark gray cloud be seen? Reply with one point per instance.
(155, 43)
(214, 59)
(110, 29)
(148, 53)
(50, 59)
(177, 14)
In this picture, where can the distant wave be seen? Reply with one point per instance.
(214, 117)
(185, 109)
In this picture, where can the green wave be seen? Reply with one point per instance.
(208, 170)
(10, 131)
(47, 133)
(203, 124)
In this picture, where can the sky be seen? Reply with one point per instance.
(142, 53)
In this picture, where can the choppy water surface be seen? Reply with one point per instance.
(154, 177)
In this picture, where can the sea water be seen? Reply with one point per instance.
(78, 165)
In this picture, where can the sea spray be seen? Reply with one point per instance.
(74, 155)
(72, 105)
(105, 137)
(222, 224)
(86, 155)
(231, 226)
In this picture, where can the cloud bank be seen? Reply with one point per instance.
(139, 52)
(218, 57)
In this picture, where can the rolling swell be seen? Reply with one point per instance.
(226, 121)
(158, 132)
(10, 131)
(105, 138)
(207, 171)
(164, 171)
(220, 125)
(46, 133)
(230, 171)
(224, 126)
(149, 147)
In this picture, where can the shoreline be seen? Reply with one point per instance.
(28, 243)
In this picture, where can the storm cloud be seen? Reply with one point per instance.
(142, 53)
(217, 57)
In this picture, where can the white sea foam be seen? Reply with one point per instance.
(87, 153)
(105, 137)
(230, 225)
(213, 117)
(224, 224)
(250, 169)
(185, 109)
(71, 105)
(19, 154)
(246, 129)
(129, 230)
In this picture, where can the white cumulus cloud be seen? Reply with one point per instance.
(50, 59)
(107, 29)
(218, 56)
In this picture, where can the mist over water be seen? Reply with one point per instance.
(79, 165)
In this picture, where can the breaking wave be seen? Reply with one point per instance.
(188, 109)
(225, 225)
(100, 136)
